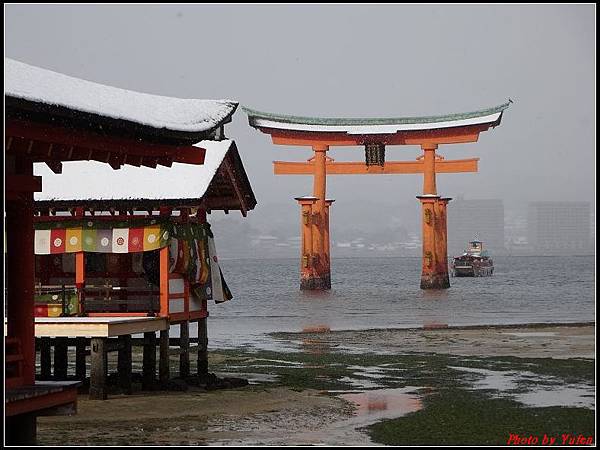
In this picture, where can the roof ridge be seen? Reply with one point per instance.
(286, 118)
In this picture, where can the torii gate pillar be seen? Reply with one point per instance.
(434, 274)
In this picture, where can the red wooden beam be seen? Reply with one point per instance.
(454, 135)
(52, 134)
(23, 183)
(390, 167)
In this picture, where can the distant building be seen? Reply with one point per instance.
(559, 227)
(475, 219)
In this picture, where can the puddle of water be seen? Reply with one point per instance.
(253, 378)
(550, 391)
(293, 363)
(378, 404)
(361, 383)
(371, 406)
(571, 395)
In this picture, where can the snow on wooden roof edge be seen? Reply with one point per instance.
(90, 180)
(31, 83)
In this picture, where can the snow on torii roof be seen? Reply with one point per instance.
(29, 86)
(92, 180)
(260, 119)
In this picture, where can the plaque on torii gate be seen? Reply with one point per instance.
(374, 135)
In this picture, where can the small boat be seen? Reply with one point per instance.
(475, 262)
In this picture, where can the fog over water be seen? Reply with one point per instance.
(353, 61)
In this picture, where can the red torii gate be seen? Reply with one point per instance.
(374, 135)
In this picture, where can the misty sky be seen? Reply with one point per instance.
(354, 60)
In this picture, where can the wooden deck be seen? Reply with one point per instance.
(96, 326)
(43, 398)
(94, 337)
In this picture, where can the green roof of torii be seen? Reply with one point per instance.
(282, 118)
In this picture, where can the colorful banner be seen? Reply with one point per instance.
(89, 238)
(192, 251)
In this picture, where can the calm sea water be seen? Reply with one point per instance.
(384, 293)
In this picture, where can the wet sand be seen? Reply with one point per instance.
(252, 414)
(523, 341)
(283, 412)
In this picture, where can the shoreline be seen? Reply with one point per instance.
(440, 327)
(529, 379)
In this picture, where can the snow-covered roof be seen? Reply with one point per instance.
(43, 86)
(260, 119)
(92, 180)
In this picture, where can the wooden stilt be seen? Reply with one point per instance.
(124, 363)
(149, 364)
(184, 344)
(45, 359)
(163, 362)
(80, 368)
(202, 347)
(99, 363)
(61, 358)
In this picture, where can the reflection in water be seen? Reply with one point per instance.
(384, 403)
(430, 325)
(315, 346)
(316, 329)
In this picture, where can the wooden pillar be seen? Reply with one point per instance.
(306, 232)
(98, 369)
(149, 363)
(441, 242)
(80, 368)
(164, 370)
(61, 358)
(124, 363)
(429, 264)
(164, 282)
(429, 187)
(80, 272)
(184, 353)
(20, 267)
(45, 358)
(80, 282)
(328, 204)
(202, 347)
(435, 267)
(321, 276)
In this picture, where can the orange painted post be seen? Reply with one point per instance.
(80, 281)
(443, 236)
(321, 276)
(429, 279)
(80, 272)
(306, 251)
(328, 204)
(440, 244)
(164, 282)
(429, 187)
(434, 274)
